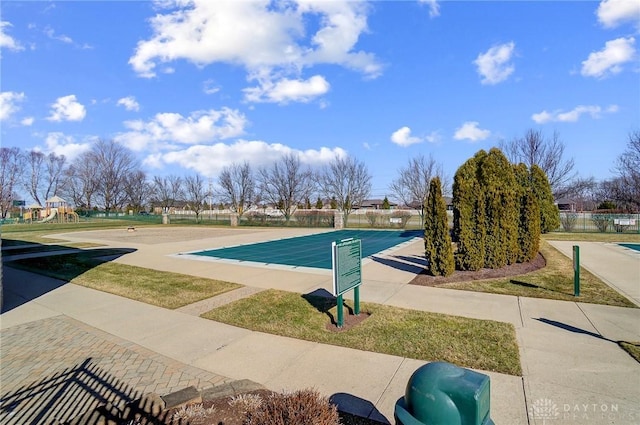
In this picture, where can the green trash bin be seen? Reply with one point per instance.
(441, 393)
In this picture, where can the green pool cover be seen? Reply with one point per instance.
(312, 250)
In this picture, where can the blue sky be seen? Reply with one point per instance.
(194, 85)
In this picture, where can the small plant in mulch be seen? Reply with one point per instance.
(193, 414)
(264, 407)
(299, 407)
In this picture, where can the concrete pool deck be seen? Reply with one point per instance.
(569, 358)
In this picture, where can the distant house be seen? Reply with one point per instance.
(375, 204)
(447, 200)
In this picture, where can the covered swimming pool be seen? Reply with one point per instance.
(634, 246)
(311, 250)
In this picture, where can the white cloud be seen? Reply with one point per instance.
(286, 90)
(403, 137)
(27, 121)
(211, 159)
(209, 87)
(67, 108)
(609, 60)
(60, 144)
(129, 103)
(494, 65)
(612, 13)
(574, 115)
(167, 129)
(49, 32)
(470, 131)
(8, 104)
(266, 38)
(434, 7)
(6, 41)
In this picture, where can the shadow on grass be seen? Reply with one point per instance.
(323, 301)
(534, 286)
(54, 269)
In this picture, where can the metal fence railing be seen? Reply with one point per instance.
(599, 222)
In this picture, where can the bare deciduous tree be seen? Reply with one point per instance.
(137, 190)
(286, 184)
(237, 187)
(628, 170)
(346, 180)
(581, 191)
(412, 185)
(44, 174)
(546, 153)
(113, 163)
(167, 190)
(195, 193)
(11, 166)
(81, 182)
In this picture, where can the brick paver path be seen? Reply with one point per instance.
(54, 369)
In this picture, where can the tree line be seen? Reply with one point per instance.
(109, 178)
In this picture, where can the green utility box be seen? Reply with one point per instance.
(440, 393)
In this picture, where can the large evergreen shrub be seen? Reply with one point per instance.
(529, 220)
(549, 213)
(437, 241)
(498, 182)
(468, 215)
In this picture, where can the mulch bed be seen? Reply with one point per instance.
(424, 279)
(226, 414)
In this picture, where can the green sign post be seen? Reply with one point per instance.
(347, 272)
(576, 270)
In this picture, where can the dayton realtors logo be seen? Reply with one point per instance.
(544, 409)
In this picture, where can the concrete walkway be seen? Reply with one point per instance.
(602, 258)
(573, 371)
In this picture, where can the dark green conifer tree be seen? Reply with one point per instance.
(529, 223)
(469, 215)
(437, 241)
(498, 183)
(549, 213)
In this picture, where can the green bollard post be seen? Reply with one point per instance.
(356, 300)
(340, 312)
(576, 271)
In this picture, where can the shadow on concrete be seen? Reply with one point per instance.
(573, 329)
(323, 301)
(83, 394)
(357, 406)
(49, 267)
(414, 265)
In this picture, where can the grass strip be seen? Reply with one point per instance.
(592, 237)
(633, 348)
(473, 343)
(555, 281)
(21, 248)
(94, 270)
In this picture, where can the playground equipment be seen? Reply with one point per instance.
(56, 210)
(52, 215)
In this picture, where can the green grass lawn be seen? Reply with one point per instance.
(15, 234)
(592, 237)
(555, 281)
(163, 289)
(478, 344)
(633, 348)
